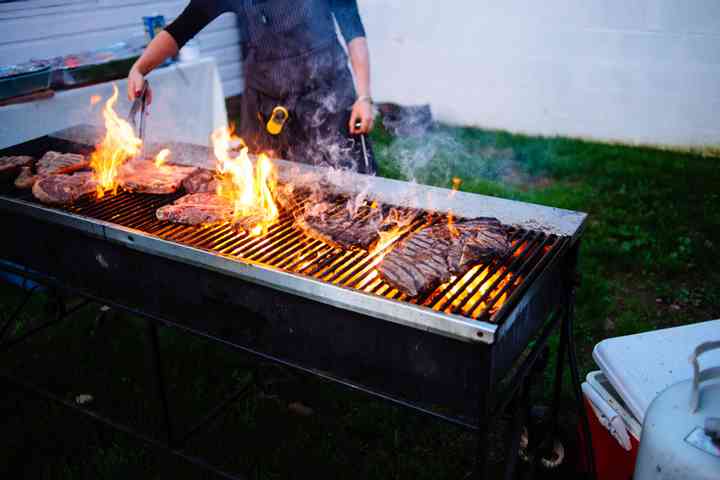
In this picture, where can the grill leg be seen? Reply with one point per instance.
(12, 318)
(559, 371)
(160, 384)
(577, 388)
(485, 423)
(521, 405)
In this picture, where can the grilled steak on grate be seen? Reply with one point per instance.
(342, 229)
(428, 258)
(55, 162)
(203, 180)
(26, 179)
(10, 166)
(144, 177)
(63, 189)
(196, 209)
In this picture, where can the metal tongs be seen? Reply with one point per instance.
(139, 105)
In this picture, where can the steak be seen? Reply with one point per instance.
(196, 209)
(26, 179)
(53, 163)
(10, 166)
(203, 180)
(343, 229)
(431, 256)
(144, 177)
(63, 189)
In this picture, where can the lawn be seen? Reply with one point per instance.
(649, 260)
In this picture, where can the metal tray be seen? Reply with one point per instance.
(65, 77)
(24, 83)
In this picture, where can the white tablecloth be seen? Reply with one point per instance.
(188, 104)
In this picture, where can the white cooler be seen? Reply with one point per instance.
(634, 370)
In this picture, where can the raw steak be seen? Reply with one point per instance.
(428, 258)
(55, 162)
(63, 189)
(342, 229)
(144, 177)
(196, 209)
(26, 179)
(11, 165)
(202, 180)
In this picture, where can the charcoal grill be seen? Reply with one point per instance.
(292, 299)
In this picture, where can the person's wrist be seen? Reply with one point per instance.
(364, 98)
(136, 68)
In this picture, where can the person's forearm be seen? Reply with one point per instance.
(158, 50)
(360, 61)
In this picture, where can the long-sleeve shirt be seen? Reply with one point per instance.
(199, 13)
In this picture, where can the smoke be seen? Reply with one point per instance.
(422, 151)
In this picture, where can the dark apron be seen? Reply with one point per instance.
(293, 59)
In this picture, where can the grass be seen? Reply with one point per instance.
(649, 260)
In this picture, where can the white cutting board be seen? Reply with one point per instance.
(642, 365)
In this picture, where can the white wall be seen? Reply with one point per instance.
(47, 28)
(644, 71)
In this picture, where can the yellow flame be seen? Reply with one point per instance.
(118, 145)
(451, 224)
(401, 224)
(249, 187)
(161, 157)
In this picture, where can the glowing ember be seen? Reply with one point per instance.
(118, 145)
(95, 99)
(249, 187)
(161, 157)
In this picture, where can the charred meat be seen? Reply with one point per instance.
(26, 179)
(144, 177)
(53, 163)
(63, 189)
(11, 166)
(203, 180)
(343, 228)
(197, 209)
(431, 256)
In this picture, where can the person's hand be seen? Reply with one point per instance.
(361, 118)
(136, 81)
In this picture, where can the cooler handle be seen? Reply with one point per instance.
(701, 375)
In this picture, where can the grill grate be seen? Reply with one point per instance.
(478, 294)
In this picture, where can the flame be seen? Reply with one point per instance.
(118, 145)
(249, 187)
(161, 157)
(451, 224)
(456, 182)
(400, 224)
(95, 99)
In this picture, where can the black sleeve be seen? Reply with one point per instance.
(348, 18)
(194, 18)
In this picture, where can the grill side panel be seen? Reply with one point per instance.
(402, 361)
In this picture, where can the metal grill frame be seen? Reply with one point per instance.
(403, 353)
(561, 222)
